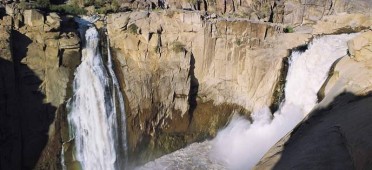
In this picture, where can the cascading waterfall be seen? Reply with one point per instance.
(96, 110)
(242, 143)
(247, 141)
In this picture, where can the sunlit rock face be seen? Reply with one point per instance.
(184, 75)
(211, 66)
(242, 143)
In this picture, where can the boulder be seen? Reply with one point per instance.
(9, 9)
(33, 18)
(53, 22)
(360, 48)
(69, 41)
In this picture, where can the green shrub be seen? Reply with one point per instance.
(68, 9)
(288, 29)
(133, 28)
(115, 6)
(104, 10)
(43, 3)
(22, 5)
(109, 8)
(178, 47)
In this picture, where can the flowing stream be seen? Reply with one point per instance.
(96, 111)
(242, 143)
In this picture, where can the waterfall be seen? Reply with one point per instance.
(116, 94)
(247, 141)
(96, 110)
(242, 143)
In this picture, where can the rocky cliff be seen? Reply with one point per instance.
(184, 67)
(39, 53)
(335, 134)
(183, 74)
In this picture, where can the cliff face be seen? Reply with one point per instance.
(38, 57)
(289, 11)
(335, 134)
(183, 70)
(183, 75)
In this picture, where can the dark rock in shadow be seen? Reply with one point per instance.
(335, 137)
(194, 88)
(25, 117)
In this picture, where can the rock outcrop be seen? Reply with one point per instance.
(36, 75)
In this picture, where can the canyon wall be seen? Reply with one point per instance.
(39, 53)
(183, 76)
(185, 72)
(184, 68)
(335, 134)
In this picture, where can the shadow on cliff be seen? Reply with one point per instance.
(194, 88)
(337, 136)
(28, 114)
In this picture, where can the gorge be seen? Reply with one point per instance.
(147, 84)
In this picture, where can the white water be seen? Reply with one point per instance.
(97, 124)
(122, 129)
(242, 143)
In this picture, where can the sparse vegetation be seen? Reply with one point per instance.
(288, 29)
(22, 5)
(109, 8)
(104, 10)
(68, 9)
(133, 28)
(178, 47)
(43, 3)
(115, 6)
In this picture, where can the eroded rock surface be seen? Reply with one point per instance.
(179, 71)
(35, 81)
